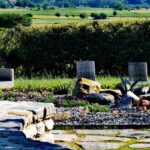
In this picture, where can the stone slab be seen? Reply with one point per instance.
(103, 132)
(136, 134)
(11, 124)
(65, 145)
(140, 146)
(147, 140)
(58, 131)
(99, 145)
(92, 138)
(16, 140)
(40, 110)
(65, 137)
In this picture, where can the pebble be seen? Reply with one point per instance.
(126, 116)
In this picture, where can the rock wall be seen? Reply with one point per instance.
(26, 125)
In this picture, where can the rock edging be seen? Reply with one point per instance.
(26, 125)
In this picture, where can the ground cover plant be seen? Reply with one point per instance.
(57, 91)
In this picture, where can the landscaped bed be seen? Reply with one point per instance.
(71, 110)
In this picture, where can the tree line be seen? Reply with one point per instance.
(116, 4)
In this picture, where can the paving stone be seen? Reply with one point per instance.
(58, 131)
(147, 140)
(140, 146)
(39, 110)
(47, 137)
(92, 138)
(103, 132)
(99, 145)
(65, 137)
(65, 145)
(136, 134)
(11, 124)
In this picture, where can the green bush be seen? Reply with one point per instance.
(57, 14)
(83, 15)
(114, 13)
(12, 20)
(99, 16)
(52, 50)
(103, 16)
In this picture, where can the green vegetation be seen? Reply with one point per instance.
(47, 17)
(42, 51)
(12, 20)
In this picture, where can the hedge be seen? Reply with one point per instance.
(52, 50)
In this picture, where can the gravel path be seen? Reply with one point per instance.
(78, 116)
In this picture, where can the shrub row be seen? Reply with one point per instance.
(53, 50)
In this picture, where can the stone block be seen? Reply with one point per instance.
(40, 128)
(6, 78)
(30, 131)
(48, 137)
(49, 124)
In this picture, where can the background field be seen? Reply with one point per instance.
(46, 17)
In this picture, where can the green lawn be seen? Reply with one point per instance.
(46, 17)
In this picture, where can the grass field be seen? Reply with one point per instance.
(46, 17)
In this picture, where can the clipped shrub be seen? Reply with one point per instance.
(83, 15)
(53, 49)
(57, 14)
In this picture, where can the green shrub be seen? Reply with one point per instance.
(114, 13)
(57, 14)
(83, 15)
(97, 108)
(103, 16)
(99, 16)
(12, 20)
(52, 50)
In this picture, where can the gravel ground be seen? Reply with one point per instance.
(78, 116)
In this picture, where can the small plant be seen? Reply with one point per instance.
(83, 15)
(67, 15)
(103, 16)
(57, 14)
(29, 15)
(114, 13)
(97, 108)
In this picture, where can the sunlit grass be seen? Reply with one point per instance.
(47, 17)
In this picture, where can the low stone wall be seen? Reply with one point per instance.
(26, 125)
